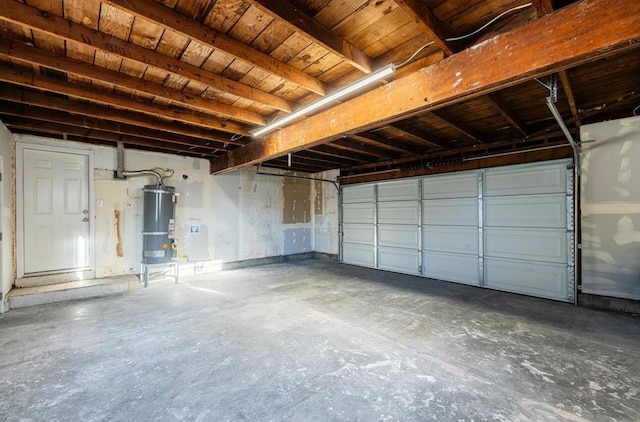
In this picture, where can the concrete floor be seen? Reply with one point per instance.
(317, 341)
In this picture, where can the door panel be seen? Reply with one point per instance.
(56, 226)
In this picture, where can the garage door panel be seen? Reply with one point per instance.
(359, 233)
(451, 186)
(360, 193)
(400, 260)
(526, 211)
(537, 279)
(451, 212)
(526, 181)
(462, 240)
(451, 267)
(358, 255)
(358, 213)
(405, 190)
(393, 235)
(530, 245)
(398, 212)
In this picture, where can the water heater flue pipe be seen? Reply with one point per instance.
(160, 174)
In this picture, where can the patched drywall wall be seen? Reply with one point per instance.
(325, 219)
(6, 227)
(297, 204)
(610, 197)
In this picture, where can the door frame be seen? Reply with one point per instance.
(32, 142)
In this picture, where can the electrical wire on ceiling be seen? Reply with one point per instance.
(461, 37)
(513, 9)
(635, 111)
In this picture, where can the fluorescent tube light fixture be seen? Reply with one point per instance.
(341, 93)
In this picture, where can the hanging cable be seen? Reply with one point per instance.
(513, 9)
(635, 110)
(415, 54)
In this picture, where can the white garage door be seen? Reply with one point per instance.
(506, 228)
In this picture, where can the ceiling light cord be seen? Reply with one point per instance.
(513, 9)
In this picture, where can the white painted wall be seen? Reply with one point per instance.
(610, 196)
(325, 216)
(6, 255)
(239, 215)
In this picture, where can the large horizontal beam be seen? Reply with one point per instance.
(60, 28)
(23, 52)
(170, 19)
(544, 46)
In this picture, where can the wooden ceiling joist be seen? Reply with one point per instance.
(420, 13)
(53, 128)
(58, 86)
(23, 96)
(568, 91)
(170, 19)
(504, 110)
(419, 137)
(35, 56)
(60, 28)
(546, 45)
(297, 20)
(379, 143)
(60, 117)
(458, 126)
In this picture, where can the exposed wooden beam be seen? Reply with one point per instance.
(381, 144)
(353, 145)
(543, 46)
(568, 90)
(170, 19)
(419, 137)
(8, 108)
(101, 112)
(297, 20)
(336, 152)
(543, 7)
(23, 52)
(459, 127)
(57, 128)
(58, 86)
(504, 110)
(60, 28)
(421, 14)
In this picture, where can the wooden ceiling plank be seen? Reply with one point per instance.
(57, 128)
(350, 145)
(503, 108)
(101, 112)
(335, 152)
(297, 20)
(36, 56)
(546, 45)
(420, 12)
(21, 14)
(170, 19)
(382, 145)
(61, 87)
(61, 117)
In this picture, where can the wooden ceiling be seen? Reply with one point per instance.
(195, 77)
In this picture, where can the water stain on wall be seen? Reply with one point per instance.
(297, 201)
(116, 223)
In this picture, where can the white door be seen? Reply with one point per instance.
(56, 221)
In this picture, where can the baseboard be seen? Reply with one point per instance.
(610, 303)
